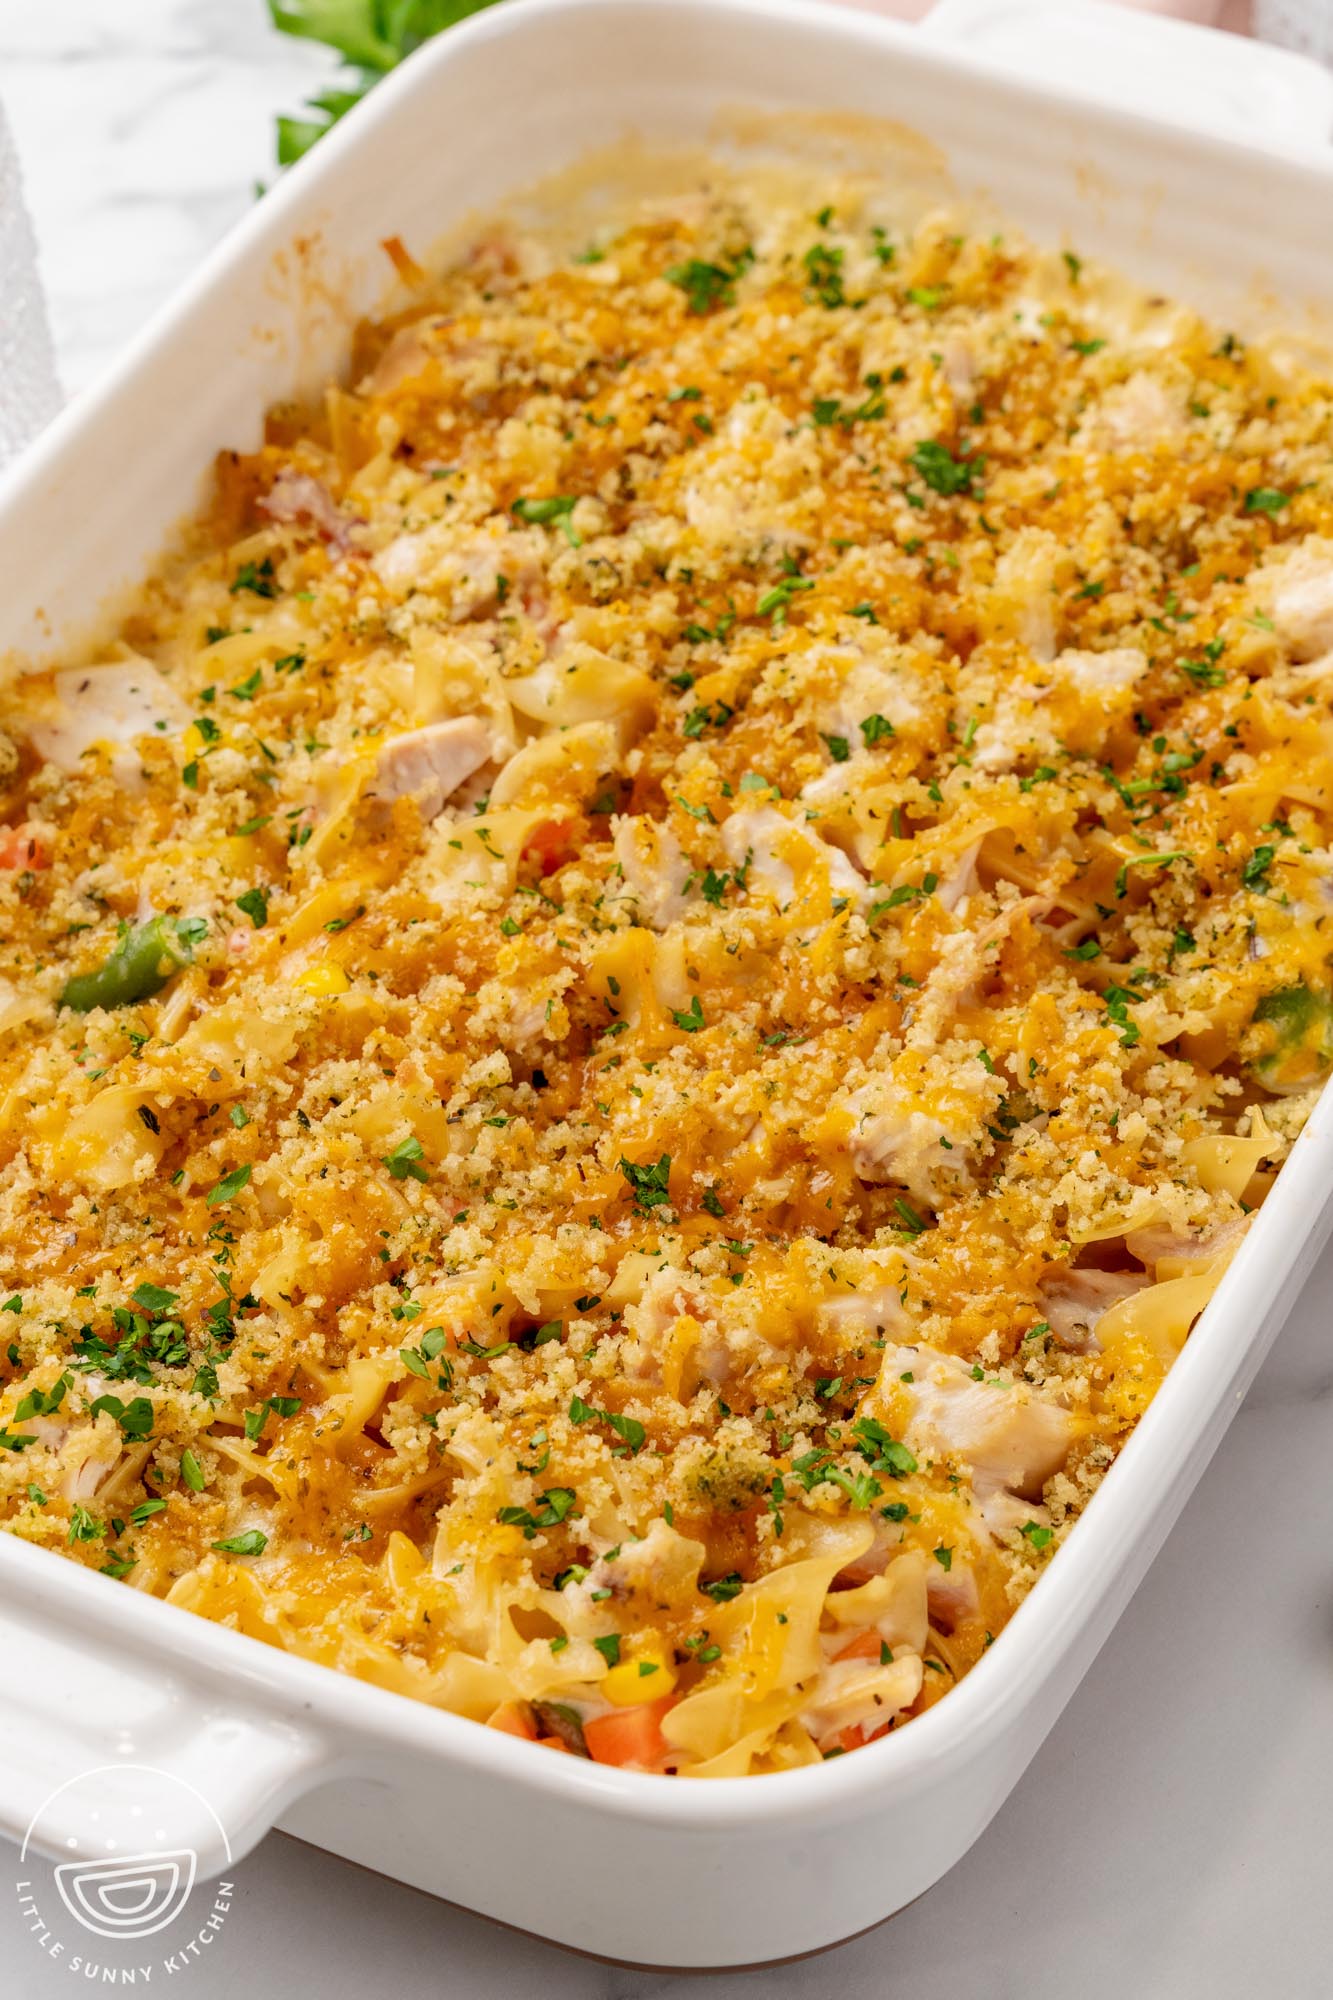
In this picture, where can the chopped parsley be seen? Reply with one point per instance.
(258, 578)
(553, 1506)
(252, 1543)
(628, 1428)
(706, 285)
(254, 903)
(941, 471)
(689, 1019)
(557, 508)
(650, 1184)
(229, 1186)
(404, 1162)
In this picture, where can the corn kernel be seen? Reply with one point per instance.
(196, 742)
(646, 1677)
(324, 980)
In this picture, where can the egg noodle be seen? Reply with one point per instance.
(646, 994)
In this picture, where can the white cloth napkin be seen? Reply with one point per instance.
(29, 387)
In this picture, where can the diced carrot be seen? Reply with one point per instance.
(856, 1738)
(865, 1646)
(404, 263)
(550, 844)
(515, 1719)
(630, 1736)
(21, 849)
(554, 1743)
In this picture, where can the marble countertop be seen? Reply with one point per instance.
(1172, 1839)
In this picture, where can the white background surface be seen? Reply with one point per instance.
(1174, 1839)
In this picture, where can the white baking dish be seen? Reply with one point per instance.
(655, 1870)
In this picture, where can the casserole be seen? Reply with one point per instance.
(960, 1761)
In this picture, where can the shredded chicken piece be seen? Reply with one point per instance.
(1005, 1513)
(1006, 1433)
(117, 704)
(952, 1594)
(655, 869)
(964, 959)
(430, 764)
(1302, 599)
(1178, 1249)
(772, 846)
(875, 1312)
(299, 499)
(1074, 1301)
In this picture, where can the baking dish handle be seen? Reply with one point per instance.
(95, 1741)
(1191, 75)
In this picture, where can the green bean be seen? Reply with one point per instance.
(141, 965)
(1302, 1024)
